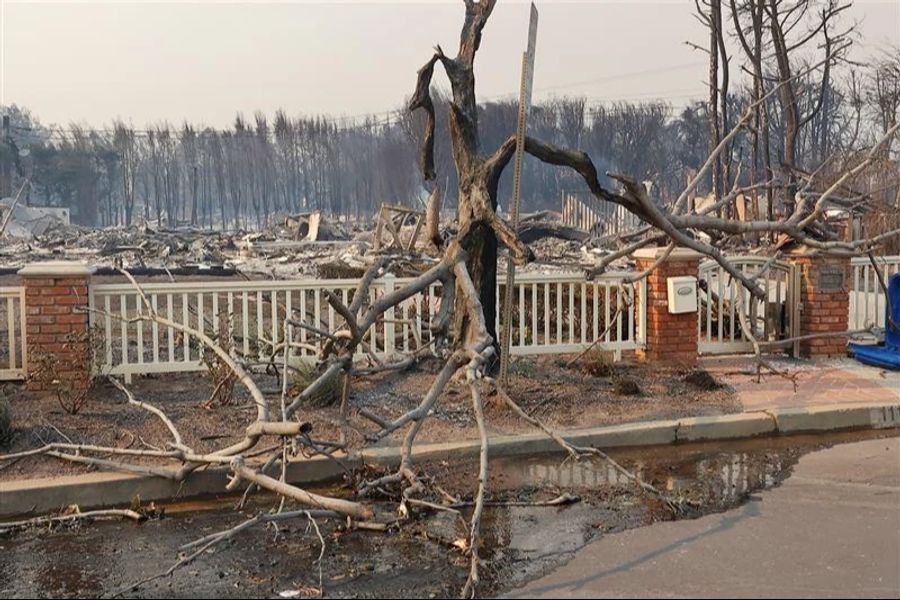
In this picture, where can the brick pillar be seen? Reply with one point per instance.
(824, 302)
(56, 325)
(670, 337)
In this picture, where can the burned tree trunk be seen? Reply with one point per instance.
(433, 218)
(479, 225)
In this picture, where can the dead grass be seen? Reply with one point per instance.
(561, 396)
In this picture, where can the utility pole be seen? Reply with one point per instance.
(6, 157)
(524, 108)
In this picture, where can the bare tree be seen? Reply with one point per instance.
(883, 88)
(709, 12)
(478, 177)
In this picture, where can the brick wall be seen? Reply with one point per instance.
(670, 338)
(823, 308)
(56, 296)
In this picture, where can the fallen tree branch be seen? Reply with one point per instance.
(91, 515)
(343, 507)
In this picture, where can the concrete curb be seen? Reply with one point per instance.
(96, 490)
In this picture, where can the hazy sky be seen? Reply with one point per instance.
(204, 61)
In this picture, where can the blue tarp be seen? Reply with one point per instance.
(886, 356)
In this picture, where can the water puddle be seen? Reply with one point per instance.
(522, 542)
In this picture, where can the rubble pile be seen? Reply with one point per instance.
(305, 245)
(119, 247)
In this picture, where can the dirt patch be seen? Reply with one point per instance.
(545, 387)
(107, 420)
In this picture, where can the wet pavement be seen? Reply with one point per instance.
(831, 530)
(522, 543)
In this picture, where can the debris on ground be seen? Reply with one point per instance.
(548, 224)
(308, 244)
(398, 228)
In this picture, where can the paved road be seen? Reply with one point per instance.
(831, 530)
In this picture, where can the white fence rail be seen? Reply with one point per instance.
(867, 301)
(552, 314)
(13, 357)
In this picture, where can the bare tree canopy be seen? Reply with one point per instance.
(167, 174)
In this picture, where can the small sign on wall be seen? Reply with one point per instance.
(830, 279)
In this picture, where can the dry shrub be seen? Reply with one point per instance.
(47, 371)
(701, 379)
(303, 374)
(221, 376)
(625, 386)
(599, 363)
(223, 380)
(72, 392)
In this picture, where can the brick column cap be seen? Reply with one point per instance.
(676, 254)
(57, 268)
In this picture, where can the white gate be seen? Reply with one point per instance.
(867, 301)
(721, 297)
(12, 333)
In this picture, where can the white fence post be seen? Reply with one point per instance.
(13, 348)
(642, 314)
(389, 317)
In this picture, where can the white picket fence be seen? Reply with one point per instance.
(867, 301)
(554, 313)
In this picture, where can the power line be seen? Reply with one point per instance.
(390, 116)
(608, 78)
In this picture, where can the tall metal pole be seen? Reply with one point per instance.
(525, 87)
